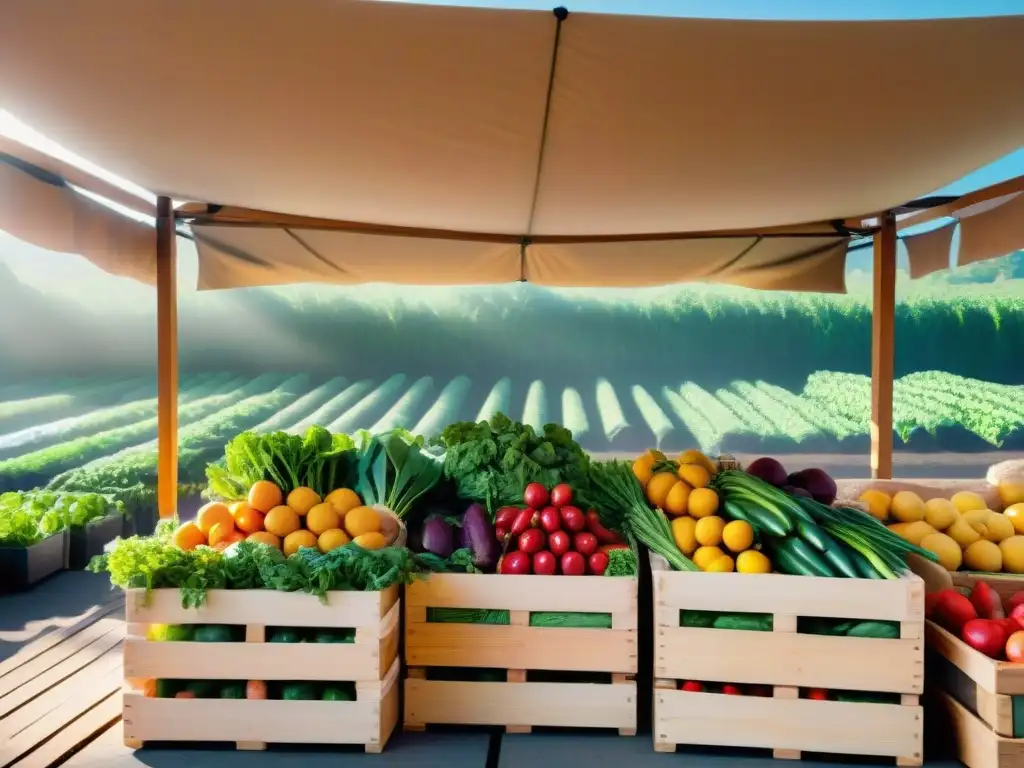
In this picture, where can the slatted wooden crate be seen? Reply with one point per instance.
(518, 703)
(371, 662)
(788, 661)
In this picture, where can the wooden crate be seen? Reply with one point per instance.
(788, 661)
(518, 703)
(977, 745)
(371, 662)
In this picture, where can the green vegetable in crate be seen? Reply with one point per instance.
(233, 690)
(338, 693)
(335, 636)
(298, 692)
(284, 635)
(213, 633)
(621, 562)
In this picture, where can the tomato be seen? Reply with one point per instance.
(559, 543)
(550, 520)
(818, 694)
(535, 496)
(930, 603)
(731, 690)
(561, 495)
(505, 516)
(526, 519)
(1017, 615)
(532, 541)
(573, 519)
(985, 635)
(986, 601)
(515, 564)
(597, 563)
(544, 563)
(573, 564)
(585, 543)
(692, 686)
(954, 610)
(1015, 647)
(1016, 599)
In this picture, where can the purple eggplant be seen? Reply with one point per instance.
(438, 536)
(478, 536)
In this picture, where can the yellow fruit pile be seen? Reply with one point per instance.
(680, 489)
(961, 530)
(301, 520)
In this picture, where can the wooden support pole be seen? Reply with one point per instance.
(883, 328)
(167, 359)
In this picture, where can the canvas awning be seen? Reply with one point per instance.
(483, 145)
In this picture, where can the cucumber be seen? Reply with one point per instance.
(865, 569)
(888, 630)
(814, 535)
(837, 558)
(761, 519)
(213, 633)
(802, 552)
(786, 563)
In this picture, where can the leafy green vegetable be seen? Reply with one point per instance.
(395, 469)
(28, 517)
(317, 460)
(621, 562)
(492, 462)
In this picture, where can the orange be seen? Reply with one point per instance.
(221, 532)
(343, 499)
(322, 518)
(658, 488)
(297, 539)
(188, 536)
(303, 499)
(213, 513)
(703, 502)
(246, 518)
(264, 496)
(372, 540)
(281, 521)
(695, 475)
(262, 537)
(362, 520)
(232, 538)
(332, 539)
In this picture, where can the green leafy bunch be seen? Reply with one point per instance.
(395, 469)
(318, 460)
(491, 462)
(27, 517)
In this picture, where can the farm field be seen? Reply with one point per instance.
(100, 433)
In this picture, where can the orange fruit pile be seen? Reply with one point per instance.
(302, 519)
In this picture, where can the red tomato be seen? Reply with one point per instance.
(515, 564)
(559, 543)
(692, 686)
(597, 563)
(985, 635)
(818, 694)
(954, 610)
(505, 516)
(731, 690)
(573, 519)
(532, 541)
(550, 520)
(1016, 599)
(561, 495)
(1017, 615)
(573, 564)
(986, 601)
(585, 543)
(526, 519)
(544, 563)
(930, 603)
(535, 496)
(1015, 647)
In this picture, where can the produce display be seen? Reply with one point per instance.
(765, 518)
(981, 620)
(28, 517)
(962, 532)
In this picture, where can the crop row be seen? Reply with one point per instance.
(114, 446)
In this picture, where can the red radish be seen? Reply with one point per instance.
(550, 520)
(561, 495)
(531, 541)
(731, 690)
(585, 543)
(985, 635)
(954, 610)
(526, 519)
(930, 601)
(505, 516)
(514, 563)
(572, 564)
(986, 601)
(559, 543)
(818, 694)
(692, 686)
(573, 519)
(544, 563)
(598, 563)
(1016, 599)
(501, 533)
(594, 526)
(536, 496)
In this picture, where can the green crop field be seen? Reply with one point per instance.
(101, 433)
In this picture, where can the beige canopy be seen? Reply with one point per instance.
(430, 144)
